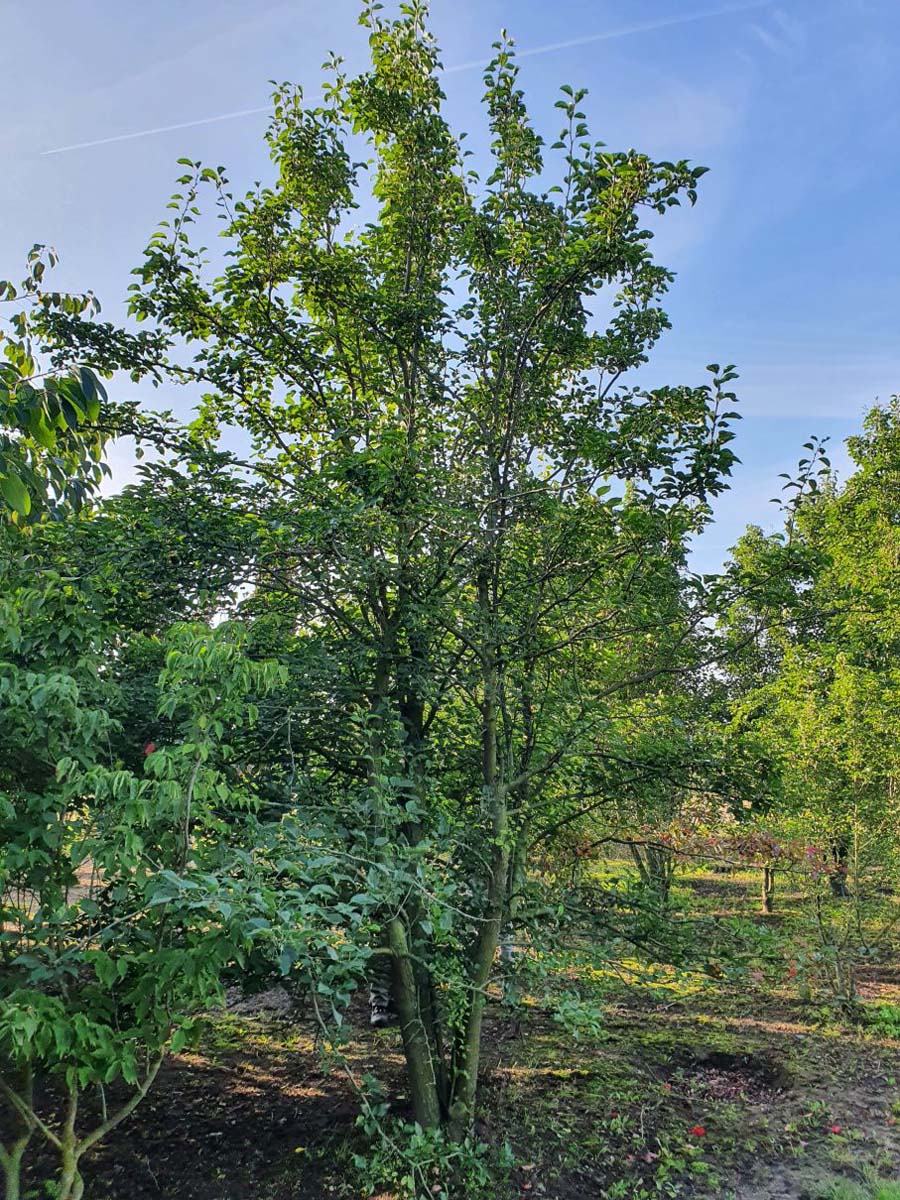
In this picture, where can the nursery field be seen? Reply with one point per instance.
(687, 1086)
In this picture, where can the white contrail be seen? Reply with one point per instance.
(127, 137)
(611, 35)
(625, 31)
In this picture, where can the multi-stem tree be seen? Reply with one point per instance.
(462, 504)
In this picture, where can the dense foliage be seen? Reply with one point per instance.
(388, 683)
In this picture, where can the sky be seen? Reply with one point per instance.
(787, 267)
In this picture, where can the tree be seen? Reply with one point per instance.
(126, 892)
(51, 429)
(820, 698)
(461, 504)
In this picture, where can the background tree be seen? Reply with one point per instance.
(819, 696)
(52, 424)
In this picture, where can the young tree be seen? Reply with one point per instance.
(126, 893)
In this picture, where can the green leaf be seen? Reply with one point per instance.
(15, 493)
(91, 395)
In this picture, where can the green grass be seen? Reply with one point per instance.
(884, 1019)
(843, 1189)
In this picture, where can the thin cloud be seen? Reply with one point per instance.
(549, 48)
(786, 37)
(769, 40)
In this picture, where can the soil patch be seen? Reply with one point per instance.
(725, 1076)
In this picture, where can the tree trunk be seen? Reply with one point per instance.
(417, 1045)
(468, 1049)
(412, 715)
(517, 874)
(514, 895)
(11, 1158)
(656, 867)
(837, 876)
(768, 889)
(465, 1079)
(71, 1185)
(12, 1169)
(420, 1066)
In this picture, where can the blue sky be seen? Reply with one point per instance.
(787, 267)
